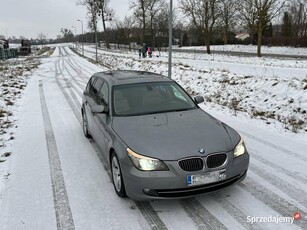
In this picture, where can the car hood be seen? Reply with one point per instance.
(175, 135)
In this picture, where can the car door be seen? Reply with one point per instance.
(95, 85)
(86, 99)
(102, 120)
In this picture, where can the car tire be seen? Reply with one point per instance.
(85, 125)
(117, 177)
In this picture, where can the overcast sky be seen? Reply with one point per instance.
(28, 18)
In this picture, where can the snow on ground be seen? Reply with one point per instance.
(253, 48)
(280, 96)
(243, 65)
(275, 185)
(14, 74)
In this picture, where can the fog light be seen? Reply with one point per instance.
(150, 192)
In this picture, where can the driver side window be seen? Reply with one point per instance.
(95, 86)
(103, 95)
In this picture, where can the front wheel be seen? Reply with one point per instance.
(85, 125)
(117, 177)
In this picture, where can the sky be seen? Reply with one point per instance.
(28, 18)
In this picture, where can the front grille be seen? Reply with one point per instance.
(191, 164)
(216, 160)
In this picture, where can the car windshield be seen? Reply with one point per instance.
(150, 98)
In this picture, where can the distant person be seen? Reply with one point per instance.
(140, 52)
(145, 50)
(149, 51)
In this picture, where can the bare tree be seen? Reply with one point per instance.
(42, 38)
(298, 11)
(155, 7)
(106, 14)
(127, 24)
(203, 14)
(92, 10)
(228, 17)
(258, 14)
(248, 16)
(67, 35)
(286, 29)
(160, 26)
(140, 8)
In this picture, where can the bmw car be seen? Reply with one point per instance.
(158, 142)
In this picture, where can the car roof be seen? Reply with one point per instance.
(123, 77)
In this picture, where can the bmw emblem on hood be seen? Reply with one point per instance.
(201, 150)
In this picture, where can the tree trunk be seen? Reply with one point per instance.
(105, 34)
(225, 38)
(208, 49)
(152, 35)
(207, 42)
(259, 41)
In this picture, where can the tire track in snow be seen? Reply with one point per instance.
(150, 215)
(269, 144)
(293, 175)
(66, 95)
(68, 85)
(81, 85)
(234, 212)
(82, 76)
(274, 201)
(78, 64)
(202, 218)
(64, 218)
(297, 194)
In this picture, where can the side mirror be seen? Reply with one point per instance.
(99, 109)
(199, 99)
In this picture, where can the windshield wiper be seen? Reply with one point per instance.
(169, 111)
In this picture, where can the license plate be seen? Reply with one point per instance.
(206, 178)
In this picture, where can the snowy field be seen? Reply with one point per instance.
(273, 90)
(252, 49)
(56, 177)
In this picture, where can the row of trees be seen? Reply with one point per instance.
(294, 23)
(210, 18)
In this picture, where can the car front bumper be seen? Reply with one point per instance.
(172, 184)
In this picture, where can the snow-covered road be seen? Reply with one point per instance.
(59, 179)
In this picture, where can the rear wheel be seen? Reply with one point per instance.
(85, 125)
(117, 177)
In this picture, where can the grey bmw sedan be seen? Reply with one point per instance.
(158, 142)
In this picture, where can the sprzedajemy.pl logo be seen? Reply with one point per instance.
(273, 219)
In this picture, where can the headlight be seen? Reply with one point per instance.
(240, 148)
(146, 163)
